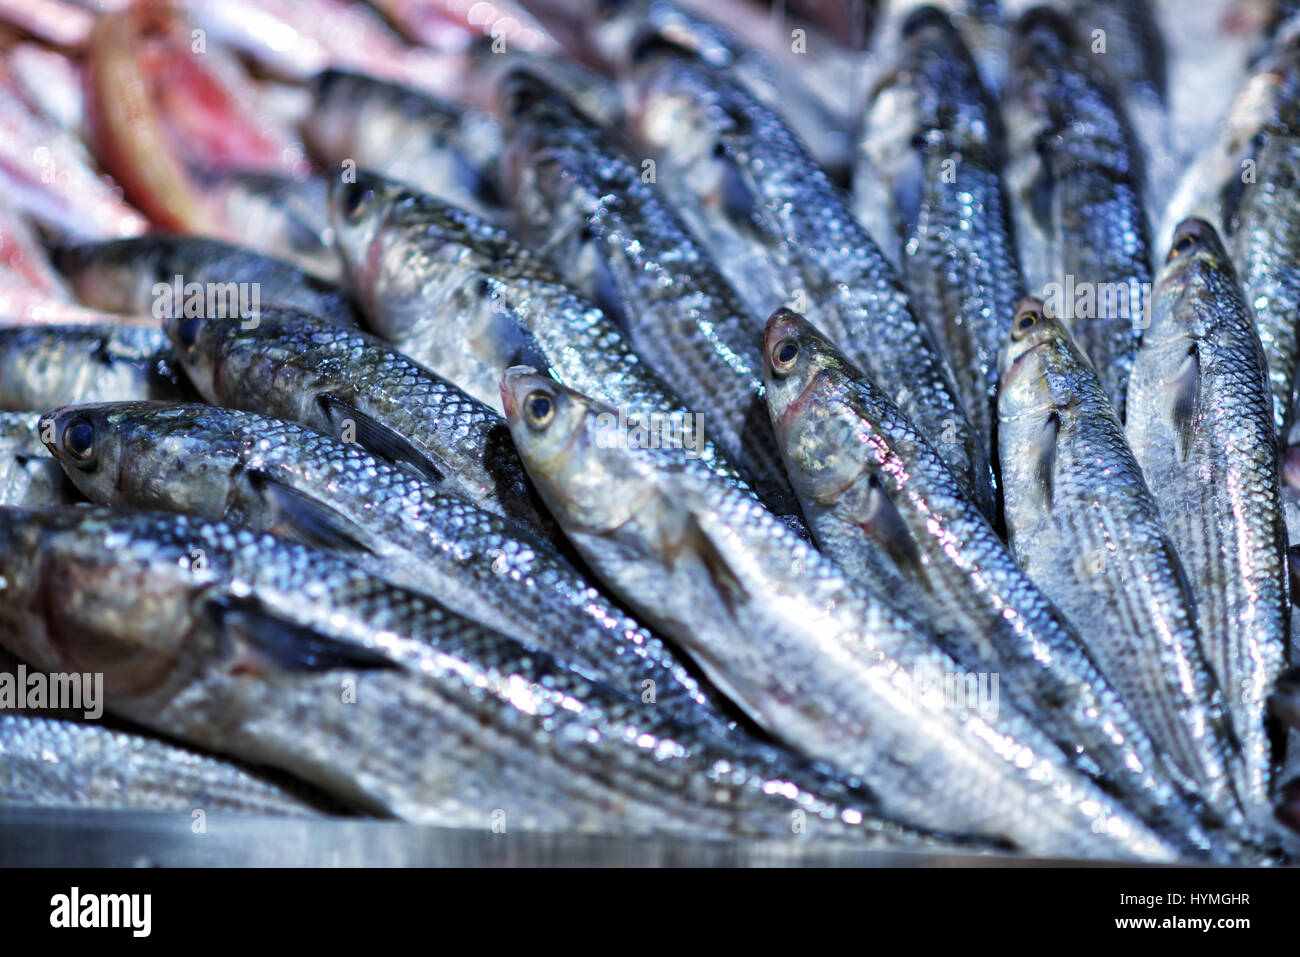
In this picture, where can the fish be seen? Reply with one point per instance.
(278, 655)
(882, 504)
(409, 135)
(1085, 527)
(609, 233)
(1078, 174)
(937, 134)
(29, 475)
(467, 299)
(1201, 427)
(280, 216)
(1264, 229)
(23, 259)
(821, 665)
(1130, 45)
(279, 477)
(163, 274)
(47, 365)
(771, 197)
(296, 366)
(48, 762)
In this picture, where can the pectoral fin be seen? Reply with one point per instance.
(1044, 458)
(262, 643)
(1184, 388)
(306, 519)
(376, 438)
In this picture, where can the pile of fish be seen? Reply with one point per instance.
(866, 422)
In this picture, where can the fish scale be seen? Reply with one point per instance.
(1201, 427)
(610, 234)
(1085, 527)
(809, 239)
(455, 292)
(960, 260)
(253, 653)
(284, 478)
(877, 494)
(1086, 197)
(826, 667)
(291, 361)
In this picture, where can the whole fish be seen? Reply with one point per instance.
(28, 474)
(286, 479)
(823, 666)
(437, 146)
(1085, 527)
(943, 152)
(466, 299)
(295, 366)
(1265, 229)
(279, 655)
(44, 366)
(769, 191)
(1201, 427)
(1080, 180)
(881, 503)
(162, 275)
(48, 762)
(279, 215)
(609, 232)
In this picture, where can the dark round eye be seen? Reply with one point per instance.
(1182, 245)
(79, 439)
(540, 407)
(187, 332)
(783, 355)
(354, 199)
(1025, 322)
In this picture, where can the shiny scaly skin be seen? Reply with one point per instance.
(1098, 231)
(847, 445)
(820, 664)
(960, 258)
(119, 275)
(205, 462)
(407, 134)
(1265, 240)
(284, 365)
(45, 366)
(470, 275)
(1096, 547)
(48, 762)
(1135, 47)
(28, 475)
(576, 196)
(440, 721)
(1218, 497)
(815, 245)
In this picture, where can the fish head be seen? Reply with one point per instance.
(1034, 342)
(807, 382)
(591, 482)
(90, 590)
(1196, 273)
(200, 343)
(153, 455)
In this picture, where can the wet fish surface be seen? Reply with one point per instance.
(1201, 427)
(1085, 527)
(28, 474)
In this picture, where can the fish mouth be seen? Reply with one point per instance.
(1015, 363)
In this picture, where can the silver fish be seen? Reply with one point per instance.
(820, 664)
(300, 367)
(1084, 525)
(1201, 426)
(279, 655)
(765, 191)
(608, 231)
(286, 479)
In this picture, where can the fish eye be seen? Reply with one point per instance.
(354, 200)
(784, 353)
(1182, 245)
(1025, 322)
(79, 440)
(540, 408)
(187, 332)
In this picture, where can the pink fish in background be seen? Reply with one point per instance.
(23, 261)
(451, 24)
(59, 24)
(50, 83)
